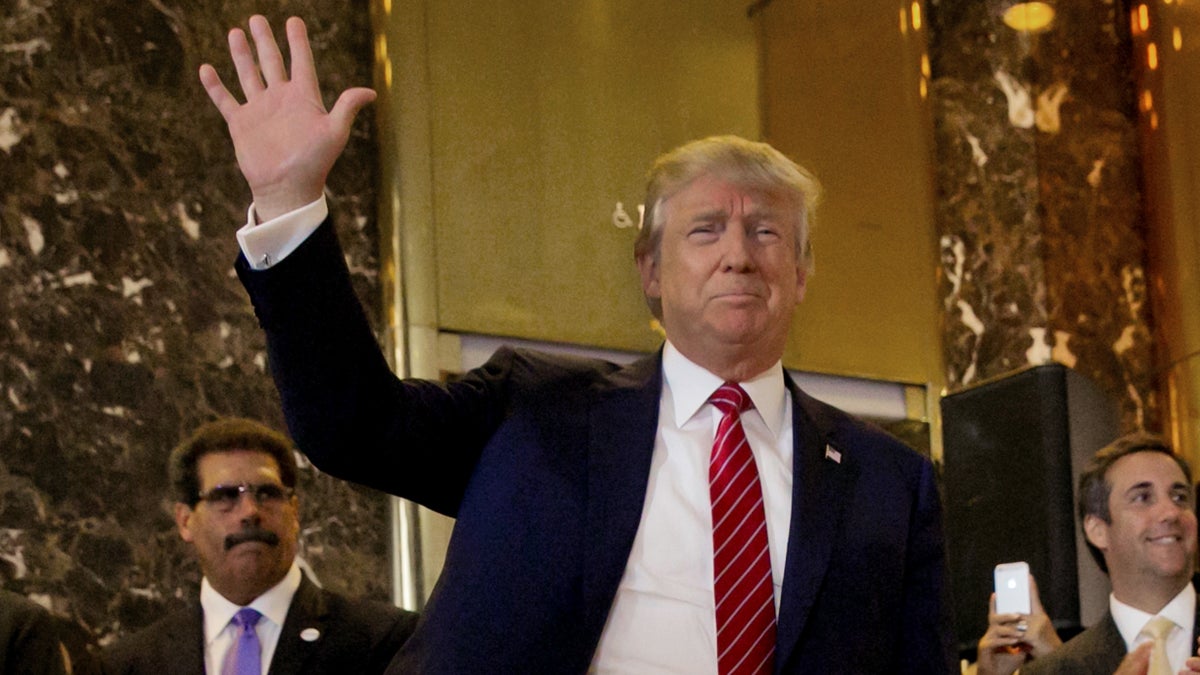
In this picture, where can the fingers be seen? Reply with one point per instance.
(304, 70)
(349, 103)
(270, 60)
(217, 93)
(243, 62)
(1137, 661)
(1005, 619)
(1033, 595)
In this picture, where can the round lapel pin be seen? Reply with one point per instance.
(310, 634)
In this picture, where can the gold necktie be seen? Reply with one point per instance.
(1158, 629)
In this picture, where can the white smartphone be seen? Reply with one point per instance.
(1012, 588)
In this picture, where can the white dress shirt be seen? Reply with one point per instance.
(663, 618)
(1181, 610)
(219, 634)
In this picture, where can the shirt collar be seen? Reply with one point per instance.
(1130, 620)
(273, 604)
(691, 386)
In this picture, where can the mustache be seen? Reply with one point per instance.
(251, 534)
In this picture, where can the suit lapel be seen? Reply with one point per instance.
(307, 613)
(823, 476)
(182, 649)
(1110, 647)
(621, 430)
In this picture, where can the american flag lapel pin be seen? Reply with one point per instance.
(830, 453)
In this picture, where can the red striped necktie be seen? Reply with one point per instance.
(745, 598)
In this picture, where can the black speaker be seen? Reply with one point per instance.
(1013, 448)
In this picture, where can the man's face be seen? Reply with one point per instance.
(728, 274)
(248, 548)
(1151, 542)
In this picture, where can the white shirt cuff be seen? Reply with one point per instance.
(267, 243)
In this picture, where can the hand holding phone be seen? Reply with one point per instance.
(1012, 588)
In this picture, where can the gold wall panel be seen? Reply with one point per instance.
(539, 120)
(542, 116)
(1170, 124)
(842, 94)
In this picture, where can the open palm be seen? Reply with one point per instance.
(285, 140)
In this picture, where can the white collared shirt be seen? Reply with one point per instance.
(663, 618)
(218, 611)
(1181, 610)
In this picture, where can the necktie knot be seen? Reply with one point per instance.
(246, 617)
(1158, 628)
(730, 398)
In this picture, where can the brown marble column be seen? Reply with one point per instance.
(1038, 189)
(122, 326)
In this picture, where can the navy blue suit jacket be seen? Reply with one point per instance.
(544, 462)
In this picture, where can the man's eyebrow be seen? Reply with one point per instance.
(1138, 486)
(708, 215)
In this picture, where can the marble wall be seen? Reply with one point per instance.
(122, 326)
(1039, 208)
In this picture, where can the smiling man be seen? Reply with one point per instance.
(236, 504)
(1136, 503)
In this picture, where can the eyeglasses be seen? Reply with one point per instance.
(226, 497)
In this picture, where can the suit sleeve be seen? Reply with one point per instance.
(30, 639)
(390, 642)
(344, 407)
(928, 641)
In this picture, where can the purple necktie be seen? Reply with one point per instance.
(245, 654)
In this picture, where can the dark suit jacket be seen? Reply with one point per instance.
(544, 462)
(29, 643)
(355, 637)
(1098, 649)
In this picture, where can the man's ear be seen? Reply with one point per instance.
(1096, 531)
(801, 282)
(183, 521)
(648, 269)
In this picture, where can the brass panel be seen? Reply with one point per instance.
(1170, 124)
(843, 95)
(544, 115)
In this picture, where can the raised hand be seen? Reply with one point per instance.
(1011, 639)
(285, 140)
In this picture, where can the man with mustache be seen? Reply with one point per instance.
(234, 482)
(1138, 513)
